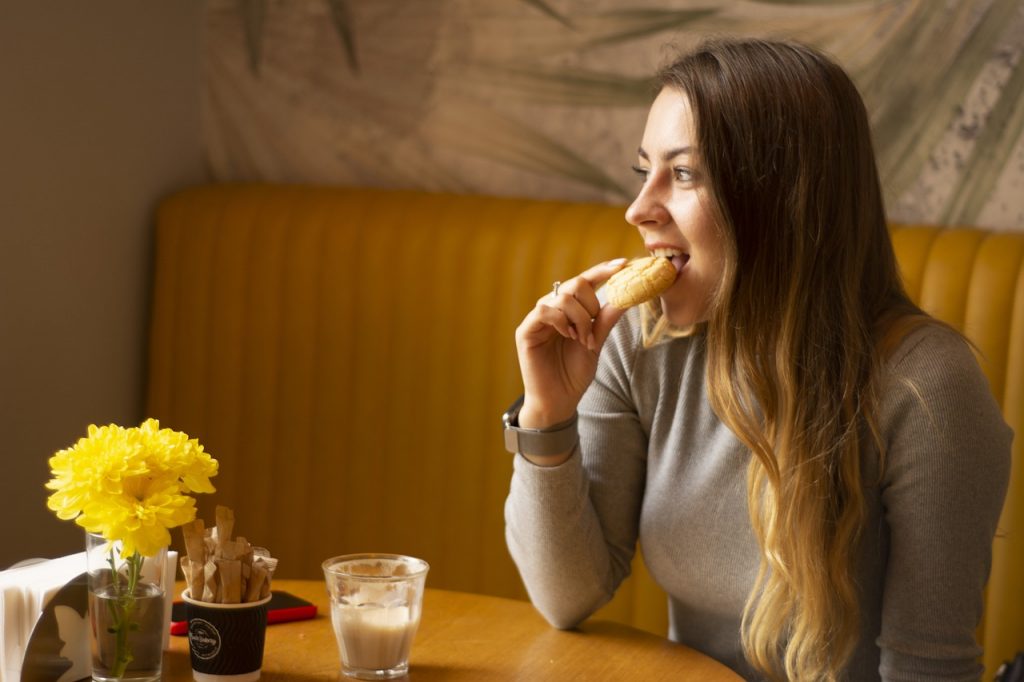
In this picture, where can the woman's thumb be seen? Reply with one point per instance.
(605, 321)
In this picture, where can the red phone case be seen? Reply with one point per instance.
(282, 608)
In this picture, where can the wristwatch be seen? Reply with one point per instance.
(554, 440)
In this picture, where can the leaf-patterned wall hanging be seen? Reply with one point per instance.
(548, 99)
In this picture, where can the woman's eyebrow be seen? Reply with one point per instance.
(668, 155)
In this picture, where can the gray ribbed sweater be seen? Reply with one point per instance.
(655, 464)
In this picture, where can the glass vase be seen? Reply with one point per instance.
(126, 611)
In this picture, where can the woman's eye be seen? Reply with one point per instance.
(641, 172)
(683, 174)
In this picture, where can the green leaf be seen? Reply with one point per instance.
(475, 129)
(640, 23)
(797, 3)
(536, 84)
(342, 18)
(550, 11)
(254, 14)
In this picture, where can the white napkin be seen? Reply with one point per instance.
(24, 593)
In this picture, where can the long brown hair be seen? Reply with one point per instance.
(809, 295)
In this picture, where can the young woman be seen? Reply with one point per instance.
(813, 466)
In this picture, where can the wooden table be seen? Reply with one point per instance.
(474, 637)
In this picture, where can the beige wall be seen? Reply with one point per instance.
(99, 118)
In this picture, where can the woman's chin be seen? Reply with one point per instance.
(681, 315)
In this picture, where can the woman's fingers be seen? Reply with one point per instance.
(597, 274)
(576, 313)
(590, 279)
(551, 314)
(558, 342)
(571, 310)
(576, 300)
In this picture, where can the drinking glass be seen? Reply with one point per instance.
(376, 600)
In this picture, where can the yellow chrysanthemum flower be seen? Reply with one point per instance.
(130, 484)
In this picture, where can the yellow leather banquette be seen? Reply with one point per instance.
(346, 354)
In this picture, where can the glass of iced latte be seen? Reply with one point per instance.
(376, 601)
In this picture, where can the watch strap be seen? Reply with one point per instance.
(553, 440)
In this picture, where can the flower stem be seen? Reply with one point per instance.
(123, 610)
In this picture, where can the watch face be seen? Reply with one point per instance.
(511, 415)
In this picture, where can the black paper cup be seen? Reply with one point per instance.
(225, 641)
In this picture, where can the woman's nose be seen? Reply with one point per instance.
(648, 209)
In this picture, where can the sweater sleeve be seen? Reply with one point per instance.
(945, 475)
(572, 529)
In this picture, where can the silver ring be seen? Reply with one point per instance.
(554, 287)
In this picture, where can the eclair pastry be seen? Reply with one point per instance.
(640, 281)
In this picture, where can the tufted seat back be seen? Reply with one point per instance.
(346, 354)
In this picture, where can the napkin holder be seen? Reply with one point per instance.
(44, 619)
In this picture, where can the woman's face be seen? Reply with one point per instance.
(670, 210)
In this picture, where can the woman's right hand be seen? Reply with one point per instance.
(558, 343)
